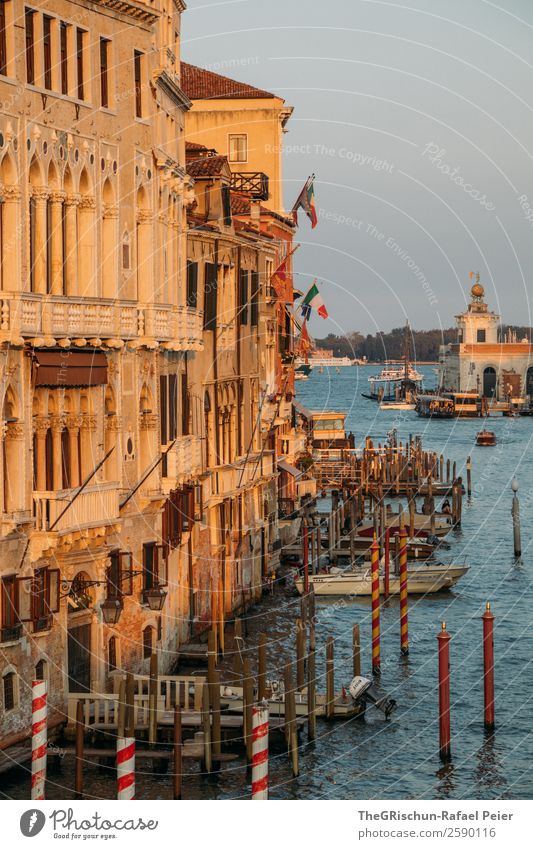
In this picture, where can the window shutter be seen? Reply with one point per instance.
(126, 572)
(161, 561)
(25, 594)
(184, 406)
(243, 296)
(163, 405)
(53, 590)
(172, 406)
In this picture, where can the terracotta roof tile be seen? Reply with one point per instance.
(200, 84)
(206, 166)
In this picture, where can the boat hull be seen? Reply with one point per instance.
(420, 581)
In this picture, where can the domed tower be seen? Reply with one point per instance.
(477, 325)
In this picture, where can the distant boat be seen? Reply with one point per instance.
(486, 437)
(397, 381)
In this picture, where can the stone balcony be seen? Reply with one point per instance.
(183, 462)
(97, 506)
(24, 315)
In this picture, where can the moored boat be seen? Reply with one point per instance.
(421, 580)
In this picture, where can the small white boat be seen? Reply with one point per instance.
(421, 580)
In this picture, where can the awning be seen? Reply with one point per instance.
(291, 470)
(64, 367)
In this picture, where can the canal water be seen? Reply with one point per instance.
(398, 759)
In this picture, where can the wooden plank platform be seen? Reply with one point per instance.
(13, 757)
(193, 749)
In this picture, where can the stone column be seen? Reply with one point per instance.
(57, 471)
(11, 277)
(88, 454)
(148, 428)
(86, 246)
(40, 197)
(73, 425)
(13, 469)
(71, 246)
(111, 440)
(56, 201)
(41, 425)
(145, 289)
(110, 240)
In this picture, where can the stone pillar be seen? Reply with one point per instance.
(71, 246)
(73, 425)
(56, 201)
(41, 425)
(108, 265)
(86, 246)
(145, 289)
(148, 428)
(11, 278)
(111, 440)
(88, 454)
(57, 471)
(14, 468)
(40, 197)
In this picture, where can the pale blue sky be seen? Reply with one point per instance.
(394, 103)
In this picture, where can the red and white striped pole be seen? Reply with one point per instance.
(39, 738)
(376, 634)
(125, 768)
(404, 621)
(259, 752)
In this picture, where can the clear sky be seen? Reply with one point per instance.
(417, 119)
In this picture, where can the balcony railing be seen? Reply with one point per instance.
(96, 506)
(253, 183)
(25, 314)
(183, 461)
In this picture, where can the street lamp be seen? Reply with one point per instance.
(111, 609)
(155, 598)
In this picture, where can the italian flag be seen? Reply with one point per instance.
(306, 200)
(313, 301)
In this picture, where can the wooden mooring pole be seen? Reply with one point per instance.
(330, 679)
(404, 621)
(376, 634)
(311, 687)
(356, 650)
(261, 667)
(444, 694)
(488, 667)
(178, 768)
(300, 654)
(80, 732)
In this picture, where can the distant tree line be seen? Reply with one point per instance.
(424, 344)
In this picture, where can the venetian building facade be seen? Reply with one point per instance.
(483, 362)
(95, 333)
(245, 125)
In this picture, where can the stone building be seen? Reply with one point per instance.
(483, 362)
(94, 328)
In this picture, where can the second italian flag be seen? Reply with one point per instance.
(313, 301)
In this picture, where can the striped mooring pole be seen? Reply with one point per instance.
(125, 767)
(488, 666)
(404, 622)
(376, 636)
(259, 752)
(444, 693)
(39, 738)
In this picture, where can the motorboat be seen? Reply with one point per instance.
(486, 438)
(421, 580)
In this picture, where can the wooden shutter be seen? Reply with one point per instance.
(161, 564)
(254, 305)
(163, 397)
(172, 406)
(210, 296)
(125, 572)
(243, 295)
(192, 284)
(25, 596)
(52, 590)
(184, 406)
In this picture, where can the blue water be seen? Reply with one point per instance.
(399, 758)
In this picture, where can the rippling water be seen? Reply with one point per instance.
(399, 758)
